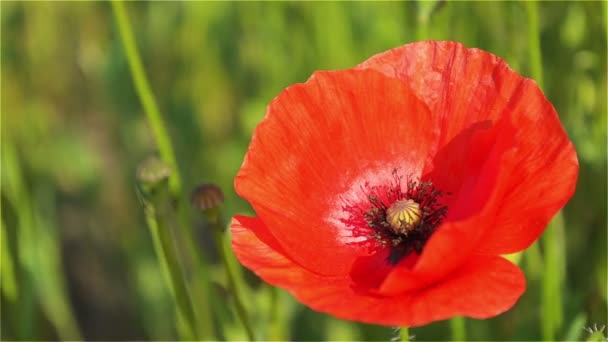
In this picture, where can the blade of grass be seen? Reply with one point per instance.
(576, 328)
(536, 67)
(552, 241)
(10, 288)
(39, 255)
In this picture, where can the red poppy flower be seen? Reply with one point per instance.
(387, 193)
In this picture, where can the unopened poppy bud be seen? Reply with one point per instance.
(207, 198)
(403, 216)
(152, 173)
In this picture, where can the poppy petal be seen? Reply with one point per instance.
(469, 89)
(473, 89)
(320, 142)
(470, 215)
(484, 287)
(537, 180)
(257, 249)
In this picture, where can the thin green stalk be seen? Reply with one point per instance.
(426, 10)
(404, 334)
(145, 95)
(171, 269)
(551, 300)
(552, 241)
(534, 261)
(233, 281)
(534, 42)
(277, 316)
(458, 328)
(200, 278)
(423, 14)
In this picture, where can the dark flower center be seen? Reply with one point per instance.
(403, 220)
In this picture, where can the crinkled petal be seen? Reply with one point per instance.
(468, 89)
(483, 287)
(538, 178)
(471, 214)
(320, 142)
(473, 91)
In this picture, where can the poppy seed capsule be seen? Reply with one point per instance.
(403, 216)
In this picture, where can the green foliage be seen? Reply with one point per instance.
(77, 258)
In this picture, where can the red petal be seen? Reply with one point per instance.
(475, 91)
(471, 214)
(484, 287)
(469, 89)
(319, 143)
(538, 178)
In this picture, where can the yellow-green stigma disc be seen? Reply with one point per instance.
(403, 216)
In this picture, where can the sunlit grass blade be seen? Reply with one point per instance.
(10, 288)
(552, 241)
(278, 315)
(536, 67)
(576, 329)
(39, 252)
(426, 10)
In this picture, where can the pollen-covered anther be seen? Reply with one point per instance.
(403, 216)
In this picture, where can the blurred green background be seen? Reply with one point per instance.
(77, 257)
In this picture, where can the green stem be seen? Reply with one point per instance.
(145, 95)
(534, 42)
(170, 267)
(233, 281)
(553, 277)
(534, 261)
(422, 19)
(142, 87)
(404, 334)
(551, 308)
(277, 316)
(458, 327)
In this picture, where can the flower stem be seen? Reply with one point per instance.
(233, 281)
(171, 269)
(142, 87)
(458, 327)
(404, 334)
(552, 278)
(145, 95)
(534, 42)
